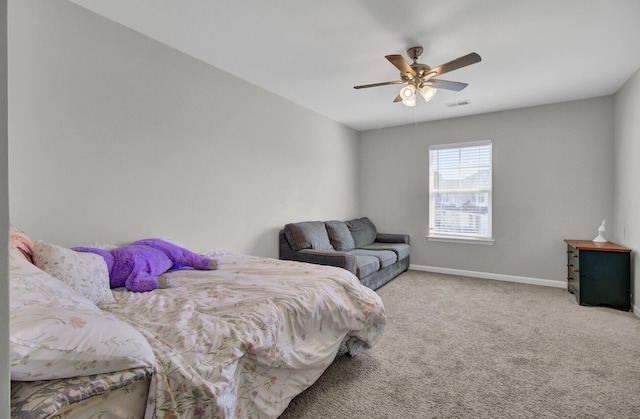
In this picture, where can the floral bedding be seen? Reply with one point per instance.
(42, 399)
(243, 340)
(57, 333)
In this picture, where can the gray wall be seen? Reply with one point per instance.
(116, 137)
(4, 221)
(552, 179)
(627, 174)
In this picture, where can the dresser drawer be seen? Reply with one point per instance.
(573, 270)
(573, 282)
(574, 288)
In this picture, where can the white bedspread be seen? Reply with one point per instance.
(243, 340)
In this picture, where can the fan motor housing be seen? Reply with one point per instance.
(420, 69)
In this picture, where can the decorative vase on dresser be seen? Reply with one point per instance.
(599, 273)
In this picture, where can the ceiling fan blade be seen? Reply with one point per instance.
(455, 64)
(397, 99)
(447, 85)
(401, 64)
(364, 86)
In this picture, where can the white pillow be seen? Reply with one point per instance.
(86, 273)
(57, 333)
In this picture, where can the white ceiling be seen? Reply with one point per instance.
(313, 52)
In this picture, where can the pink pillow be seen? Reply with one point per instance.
(20, 244)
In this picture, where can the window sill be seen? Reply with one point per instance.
(464, 240)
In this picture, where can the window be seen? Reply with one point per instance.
(460, 192)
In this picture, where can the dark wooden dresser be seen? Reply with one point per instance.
(599, 273)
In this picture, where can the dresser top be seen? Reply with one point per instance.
(591, 245)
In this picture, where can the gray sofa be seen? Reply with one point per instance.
(355, 245)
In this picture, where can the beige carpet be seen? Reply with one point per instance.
(472, 348)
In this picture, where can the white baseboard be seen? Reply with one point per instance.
(497, 277)
(500, 277)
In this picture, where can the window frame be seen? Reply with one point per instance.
(452, 236)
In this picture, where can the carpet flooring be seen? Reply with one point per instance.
(458, 347)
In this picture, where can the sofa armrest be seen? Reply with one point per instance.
(392, 238)
(342, 260)
(324, 257)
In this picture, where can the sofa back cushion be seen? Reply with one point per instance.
(339, 235)
(363, 231)
(307, 235)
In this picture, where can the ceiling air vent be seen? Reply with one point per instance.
(456, 104)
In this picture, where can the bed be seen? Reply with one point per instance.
(240, 341)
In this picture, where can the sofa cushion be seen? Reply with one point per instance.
(339, 235)
(366, 265)
(401, 249)
(307, 235)
(362, 230)
(386, 257)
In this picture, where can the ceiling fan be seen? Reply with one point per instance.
(420, 77)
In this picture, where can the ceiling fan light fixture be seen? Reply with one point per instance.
(409, 102)
(408, 95)
(428, 92)
(408, 91)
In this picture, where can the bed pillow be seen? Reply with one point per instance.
(57, 333)
(31, 286)
(340, 236)
(308, 235)
(86, 273)
(20, 244)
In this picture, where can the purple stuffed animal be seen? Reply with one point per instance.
(138, 265)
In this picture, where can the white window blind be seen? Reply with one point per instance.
(460, 190)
